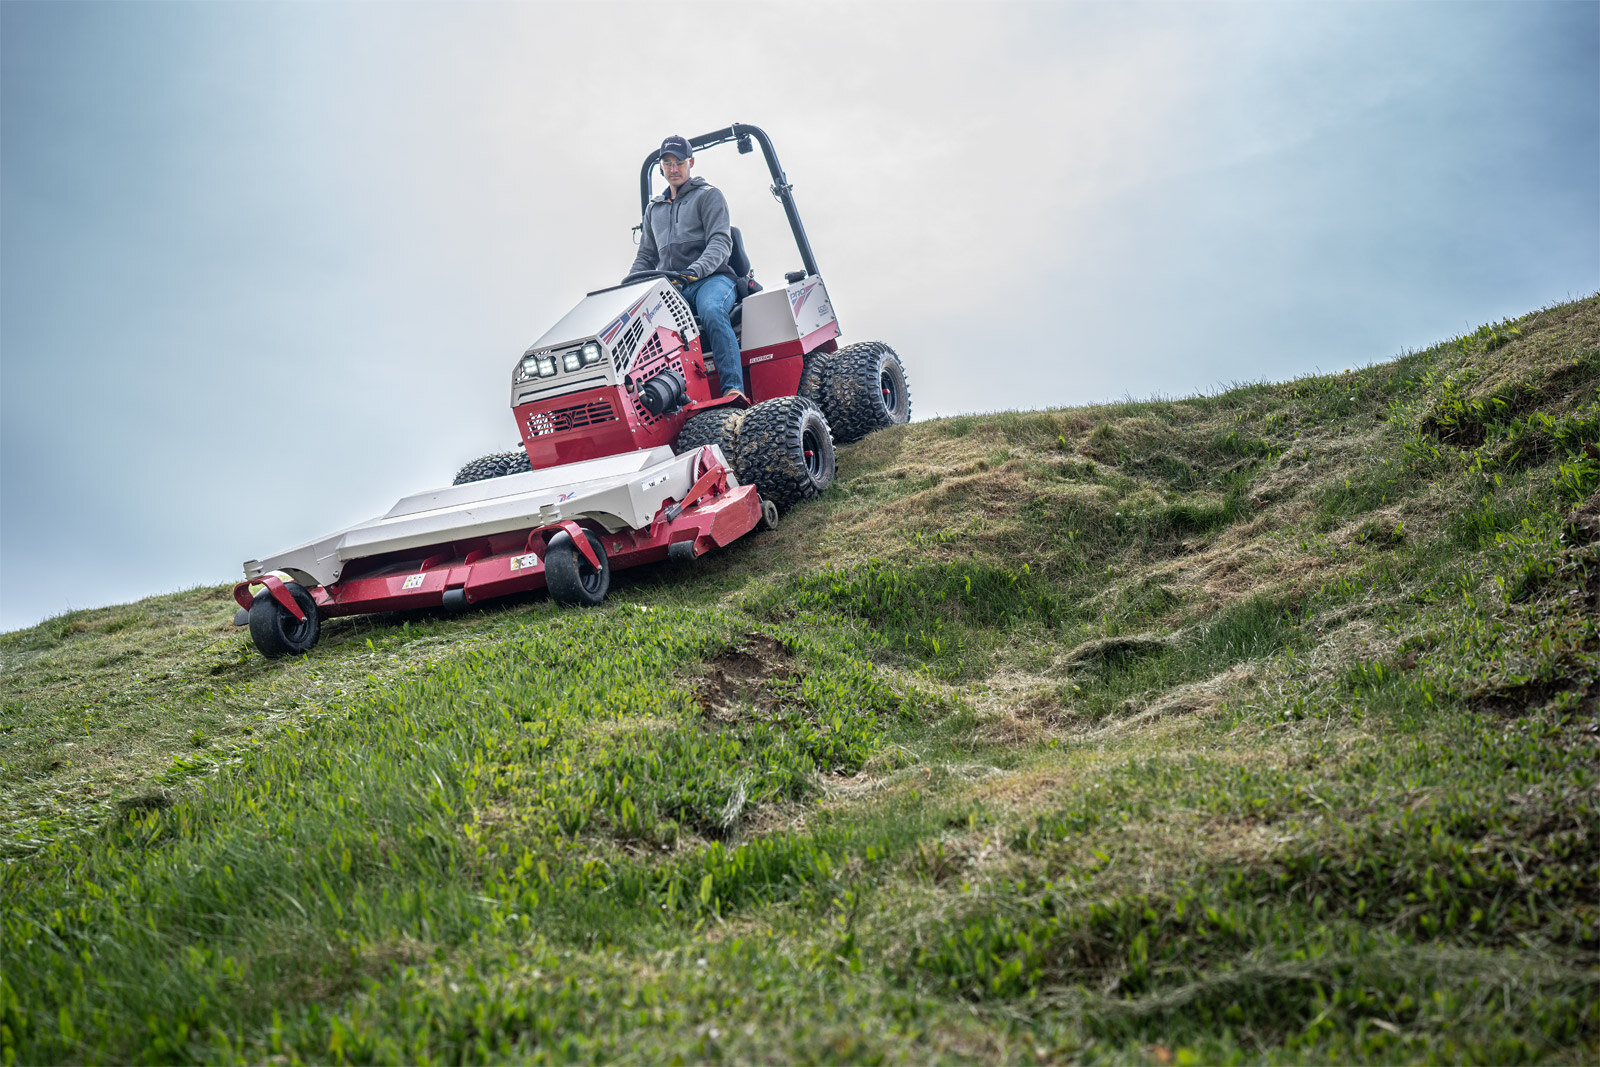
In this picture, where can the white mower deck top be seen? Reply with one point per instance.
(618, 492)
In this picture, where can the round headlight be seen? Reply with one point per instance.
(547, 367)
(591, 353)
(570, 361)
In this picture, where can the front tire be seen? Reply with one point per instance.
(276, 632)
(570, 578)
(864, 388)
(496, 465)
(786, 450)
(719, 426)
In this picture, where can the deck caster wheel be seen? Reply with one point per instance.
(276, 632)
(572, 579)
(681, 552)
(769, 514)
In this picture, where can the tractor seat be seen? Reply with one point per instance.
(741, 267)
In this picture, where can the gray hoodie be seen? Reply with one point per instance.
(688, 234)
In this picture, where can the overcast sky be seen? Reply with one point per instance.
(265, 268)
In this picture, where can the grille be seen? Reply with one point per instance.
(682, 316)
(644, 366)
(624, 348)
(570, 418)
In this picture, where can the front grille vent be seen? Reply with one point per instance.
(574, 417)
(622, 354)
(644, 367)
(682, 315)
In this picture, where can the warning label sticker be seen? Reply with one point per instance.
(522, 563)
(412, 581)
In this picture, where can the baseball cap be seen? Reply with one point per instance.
(676, 146)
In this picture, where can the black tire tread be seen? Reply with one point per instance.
(495, 465)
(719, 426)
(850, 394)
(815, 372)
(772, 451)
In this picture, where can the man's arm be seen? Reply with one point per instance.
(648, 255)
(714, 223)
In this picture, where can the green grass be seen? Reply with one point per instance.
(1257, 726)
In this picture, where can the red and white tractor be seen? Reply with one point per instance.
(629, 452)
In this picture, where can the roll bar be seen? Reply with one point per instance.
(781, 188)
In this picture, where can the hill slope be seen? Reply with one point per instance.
(1259, 725)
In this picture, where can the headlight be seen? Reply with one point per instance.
(570, 361)
(591, 353)
(547, 367)
(529, 369)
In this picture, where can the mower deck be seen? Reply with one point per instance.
(466, 543)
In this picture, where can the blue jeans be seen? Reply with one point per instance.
(713, 300)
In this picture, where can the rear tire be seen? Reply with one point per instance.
(719, 426)
(497, 465)
(864, 389)
(570, 578)
(278, 633)
(815, 372)
(786, 450)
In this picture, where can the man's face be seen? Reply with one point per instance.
(675, 170)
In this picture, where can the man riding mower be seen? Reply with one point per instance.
(686, 233)
(633, 448)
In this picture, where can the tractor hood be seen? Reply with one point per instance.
(623, 320)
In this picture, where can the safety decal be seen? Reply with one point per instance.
(413, 581)
(522, 563)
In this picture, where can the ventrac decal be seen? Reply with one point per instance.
(522, 563)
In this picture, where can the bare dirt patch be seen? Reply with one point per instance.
(752, 677)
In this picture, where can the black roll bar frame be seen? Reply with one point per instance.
(781, 189)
